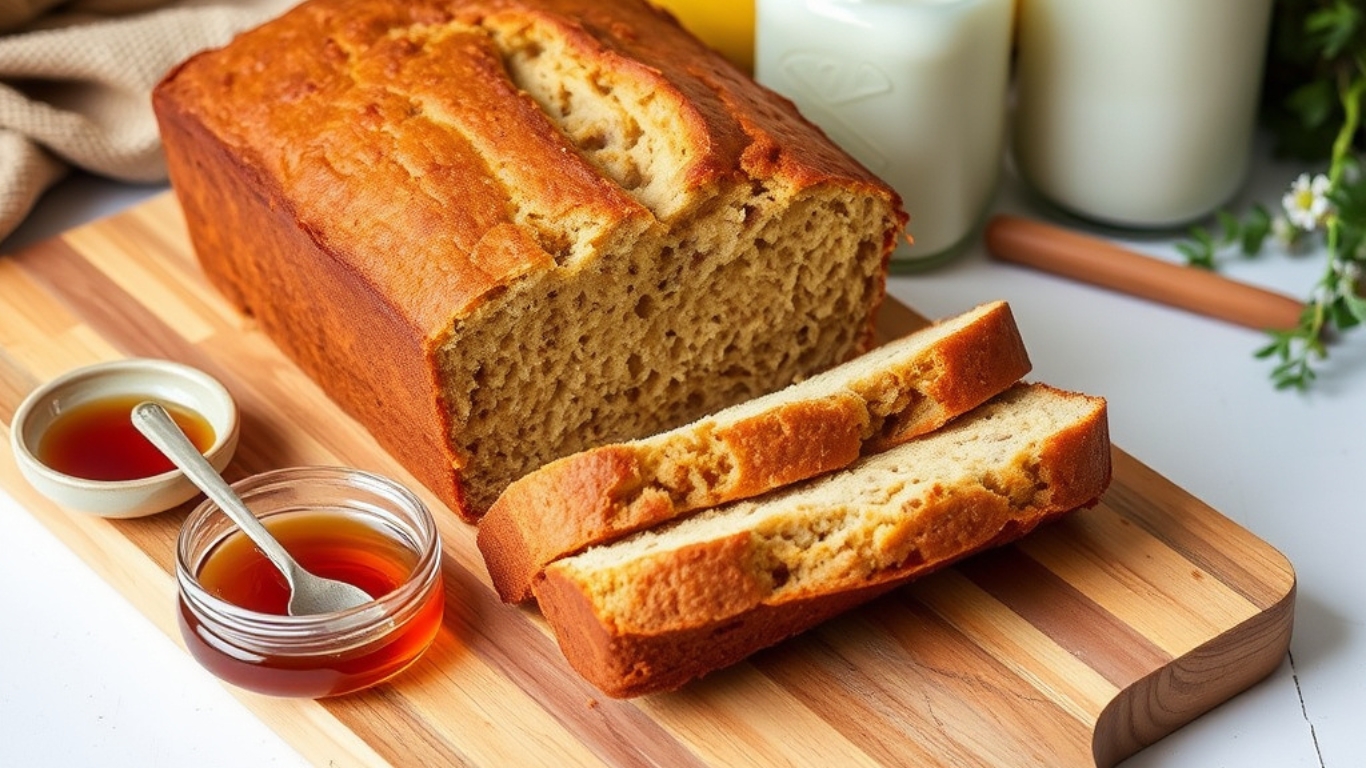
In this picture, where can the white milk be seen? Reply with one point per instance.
(1138, 112)
(914, 89)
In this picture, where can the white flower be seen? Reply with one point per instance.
(1285, 233)
(1349, 272)
(1306, 204)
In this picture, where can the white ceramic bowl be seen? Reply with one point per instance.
(154, 379)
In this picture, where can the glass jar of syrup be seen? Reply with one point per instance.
(339, 523)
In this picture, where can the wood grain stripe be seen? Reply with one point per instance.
(1018, 645)
(15, 384)
(489, 706)
(917, 685)
(320, 737)
(823, 667)
(385, 719)
(1161, 702)
(522, 651)
(1137, 578)
(39, 331)
(269, 391)
(129, 260)
(1116, 650)
(731, 718)
(101, 303)
(29, 314)
(1211, 541)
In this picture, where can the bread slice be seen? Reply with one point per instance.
(657, 609)
(902, 389)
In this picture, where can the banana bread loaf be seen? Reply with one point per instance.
(498, 232)
(659, 608)
(905, 388)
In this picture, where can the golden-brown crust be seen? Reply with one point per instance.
(746, 127)
(628, 665)
(264, 265)
(725, 615)
(1078, 461)
(341, 211)
(563, 502)
(973, 367)
(797, 441)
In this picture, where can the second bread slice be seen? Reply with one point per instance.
(905, 388)
(657, 609)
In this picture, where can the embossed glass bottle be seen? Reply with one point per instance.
(913, 89)
(1138, 113)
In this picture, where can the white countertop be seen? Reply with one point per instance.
(86, 680)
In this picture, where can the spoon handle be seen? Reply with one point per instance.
(156, 425)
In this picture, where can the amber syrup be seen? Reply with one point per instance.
(97, 440)
(330, 544)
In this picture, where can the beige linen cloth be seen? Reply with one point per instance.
(76, 79)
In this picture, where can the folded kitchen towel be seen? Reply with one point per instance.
(76, 79)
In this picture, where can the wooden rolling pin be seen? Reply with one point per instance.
(1099, 262)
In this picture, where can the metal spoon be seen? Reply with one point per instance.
(308, 593)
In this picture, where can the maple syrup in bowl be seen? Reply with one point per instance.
(75, 443)
(338, 523)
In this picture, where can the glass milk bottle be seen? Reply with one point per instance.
(1138, 113)
(913, 89)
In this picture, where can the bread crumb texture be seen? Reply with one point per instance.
(879, 393)
(925, 502)
(596, 228)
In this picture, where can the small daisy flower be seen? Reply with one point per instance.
(1283, 231)
(1306, 204)
(1348, 272)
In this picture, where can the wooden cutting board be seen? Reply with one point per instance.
(1077, 646)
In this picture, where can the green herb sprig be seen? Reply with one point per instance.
(1247, 233)
(1323, 43)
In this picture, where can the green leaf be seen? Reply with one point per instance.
(1297, 380)
(1340, 313)
(1256, 227)
(1197, 255)
(1279, 345)
(1313, 102)
(1349, 198)
(1267, 351)
(1334, 27)
(1229, 223)
(1355, 305)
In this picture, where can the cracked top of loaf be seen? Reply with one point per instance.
(501, 231)
(525, 133)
